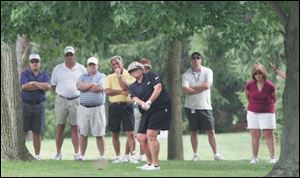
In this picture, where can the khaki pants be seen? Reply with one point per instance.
(91, 119)
(66, 110)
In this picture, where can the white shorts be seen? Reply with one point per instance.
(91, 119)
(261, 120)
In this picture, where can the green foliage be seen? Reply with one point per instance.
(153, 49)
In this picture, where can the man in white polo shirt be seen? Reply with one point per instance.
(196, 83)
(63, 80)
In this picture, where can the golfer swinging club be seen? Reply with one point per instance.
(154, 104)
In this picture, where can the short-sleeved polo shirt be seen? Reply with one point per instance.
(90, 98)
(200, 100)
(65, 79)
(145, 89)
(112, 82)
(36, 95)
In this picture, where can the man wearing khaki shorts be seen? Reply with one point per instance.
(63, 80)
(91, 112)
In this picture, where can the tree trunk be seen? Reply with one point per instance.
(175, 146)
(12, 135)
(288, 164)
(22, 48)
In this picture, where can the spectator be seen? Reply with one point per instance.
(261, 98)
(63, 80)
(34, 83)
(120, 110)
(91, 112)
(196, 83)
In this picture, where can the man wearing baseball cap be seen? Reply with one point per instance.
(63, 80)
(91, 112)
(196, 83)
(34, 86)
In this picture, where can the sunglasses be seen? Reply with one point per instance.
(196, 57)
(257, 73)
(69, 54)
(34, 62)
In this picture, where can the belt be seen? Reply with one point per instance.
(121, 103)
(90, 106)
(68, 97)
(32, 102)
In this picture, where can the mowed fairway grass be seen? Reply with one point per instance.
(235, 147)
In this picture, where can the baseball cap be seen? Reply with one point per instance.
(69, 49)
(34, 56)
(92, 60)
(135, 65)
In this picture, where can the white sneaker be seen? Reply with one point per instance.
(218, 157)
(144, 166)
(118, 160)
(133, 160)
(58, 156)
(272, 160)
(78, 157)
(151, 168)
(196, 157)
(102, 158)
(142, 158)
(38, 157)
(253, 160)
(125, 158)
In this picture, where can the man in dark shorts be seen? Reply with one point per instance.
(34, 86)
(196, 83)
(120, 110)
(154, 103)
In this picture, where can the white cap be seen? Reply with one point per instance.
(92, 60)
(69, 49)
(135, 65)
(34, 56)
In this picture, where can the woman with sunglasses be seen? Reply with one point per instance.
(261, 98)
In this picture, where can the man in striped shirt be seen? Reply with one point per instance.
(91, 112)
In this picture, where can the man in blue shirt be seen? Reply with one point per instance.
(91, 112)
(34, 86)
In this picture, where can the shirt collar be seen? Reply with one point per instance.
(31, 72)
(76, 65)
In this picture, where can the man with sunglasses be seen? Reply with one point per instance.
(196, 83)
(34, 86)
(63, 80)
